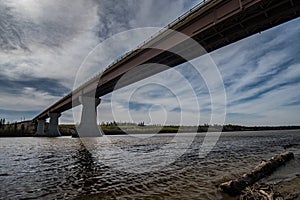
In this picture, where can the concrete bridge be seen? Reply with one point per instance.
(212, 23)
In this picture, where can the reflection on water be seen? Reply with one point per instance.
(48, 168)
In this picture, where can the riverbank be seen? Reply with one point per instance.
(115, 129)
(287, 190)
(14, 133)
(290, 189)
(153, 129)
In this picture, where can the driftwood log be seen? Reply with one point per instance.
(265, 168)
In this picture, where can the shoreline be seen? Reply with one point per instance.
(285, 189)
(289, 187)
(276, 178)
(70, 130)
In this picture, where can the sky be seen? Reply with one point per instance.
(44, 43)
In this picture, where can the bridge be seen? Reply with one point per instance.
(212, 23)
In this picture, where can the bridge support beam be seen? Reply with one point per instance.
(88, 126)
(40, 128)
(53, 125)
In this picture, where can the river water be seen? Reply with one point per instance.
(67, 168)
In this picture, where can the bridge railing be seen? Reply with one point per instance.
(170, 25)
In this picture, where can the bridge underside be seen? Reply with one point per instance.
(215, 25)
(243, 23)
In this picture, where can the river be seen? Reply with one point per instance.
(68, 168)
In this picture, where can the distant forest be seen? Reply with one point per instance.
(114, 127)
(121, 128)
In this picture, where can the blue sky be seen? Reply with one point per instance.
(43, 44)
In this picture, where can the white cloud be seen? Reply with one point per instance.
(29, 99)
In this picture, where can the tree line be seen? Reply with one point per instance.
(2, 123)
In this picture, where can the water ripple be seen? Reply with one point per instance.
(61, 168)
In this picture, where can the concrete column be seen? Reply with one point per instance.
(40, 128)
(53, 125)
(88, 126)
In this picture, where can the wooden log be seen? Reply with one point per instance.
(264, 169)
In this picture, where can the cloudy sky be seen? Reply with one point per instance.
(44, 43)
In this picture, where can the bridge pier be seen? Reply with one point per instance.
(40, 128)
(53, 125)
(88, 126)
